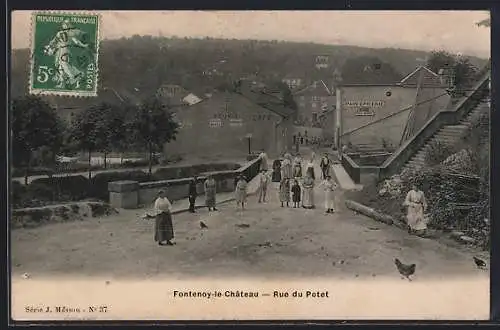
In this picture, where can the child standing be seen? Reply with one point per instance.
(329, 187)
(296, 194)
(241, 192)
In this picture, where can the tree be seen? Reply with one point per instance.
(153, 125)
(461, 69)
(465, 72)
(288, 100)
(96, 129)
(113, 129)
(441, 60)
(36, 130)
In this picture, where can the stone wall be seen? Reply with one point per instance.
(132, 194)
(37, 216)
(179, 188)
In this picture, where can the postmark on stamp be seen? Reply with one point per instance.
(64, 54)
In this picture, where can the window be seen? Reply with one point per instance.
(214, 123)
(313, 104)
(315, 99)
(302, 97)
(302, 104)
(314, 117)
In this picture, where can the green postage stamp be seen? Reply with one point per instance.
(64, 54)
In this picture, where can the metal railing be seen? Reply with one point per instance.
(448, 117)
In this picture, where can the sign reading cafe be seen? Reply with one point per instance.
(364, 103)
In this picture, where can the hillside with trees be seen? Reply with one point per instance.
(140, 64)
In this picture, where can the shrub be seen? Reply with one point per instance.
(64, 188)
(32, 195)
(438, 152)
(139, 163)
(170, 173)
(171, 159)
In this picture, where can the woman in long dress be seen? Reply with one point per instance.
(310, 169)
(416, 203)
(164, 229)
(308, 188)
(329, 186)
(276, 171)
(286, 167)
(241, 192)
(285, 192)
(210, 193)
(263, 161)
(297, 167)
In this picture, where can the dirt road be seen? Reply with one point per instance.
(277, 241)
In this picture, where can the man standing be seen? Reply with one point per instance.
(263, 183)
(325, 166)
(192, 195)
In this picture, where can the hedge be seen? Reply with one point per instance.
(44, 191)
(169, 173)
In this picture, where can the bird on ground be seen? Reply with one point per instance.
(479, 262)
(203, 225)
(405, 270)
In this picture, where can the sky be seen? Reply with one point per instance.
(454, 31)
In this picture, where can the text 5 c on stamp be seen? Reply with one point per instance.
(64, 54)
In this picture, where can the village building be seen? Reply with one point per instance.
(381, 110)
(322, 62)
(175, 96)
(313, 101)
(228, 122)
(294, 82)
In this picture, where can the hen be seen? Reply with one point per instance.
(405, 270)
(479, 263)
(203, 225)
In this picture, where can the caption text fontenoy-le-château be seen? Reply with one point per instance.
(250, 294)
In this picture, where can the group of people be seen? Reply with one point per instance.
(300, 193)
(298, 188)
(164, 230)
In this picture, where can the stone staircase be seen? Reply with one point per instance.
(448, 135)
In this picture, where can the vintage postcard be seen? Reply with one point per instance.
(250, 165)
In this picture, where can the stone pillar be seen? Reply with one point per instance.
(124, 194)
